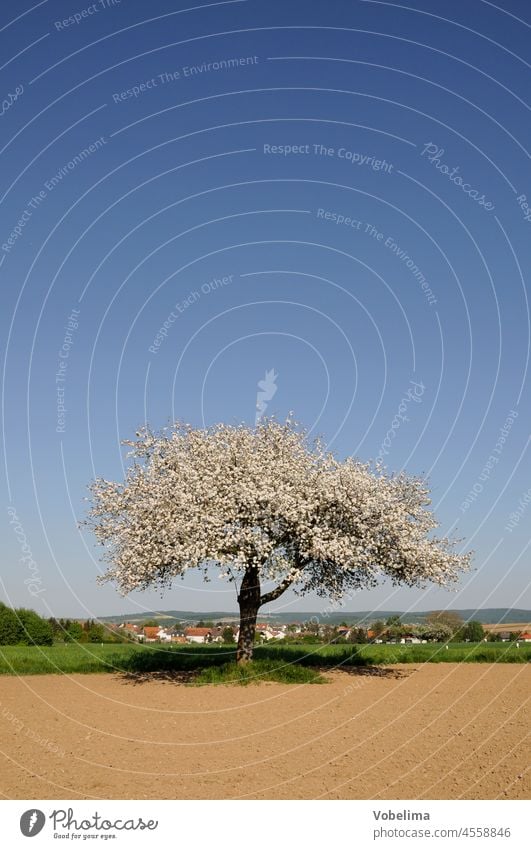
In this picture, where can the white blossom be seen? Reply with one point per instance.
(265, 499)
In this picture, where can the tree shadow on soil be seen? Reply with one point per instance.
(374, 671)
(184, 664)
(171, 676)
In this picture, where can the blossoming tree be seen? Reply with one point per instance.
(269, 509)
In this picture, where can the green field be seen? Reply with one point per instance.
(72, 658)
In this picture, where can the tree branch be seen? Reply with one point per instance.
(273, 594)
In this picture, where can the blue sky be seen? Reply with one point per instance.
(192, 197)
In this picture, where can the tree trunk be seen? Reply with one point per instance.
(249, 601)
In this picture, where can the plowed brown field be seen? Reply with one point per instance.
(436, 731)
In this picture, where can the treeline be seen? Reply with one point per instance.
(25, 627)
(73, 631)
(440, 627)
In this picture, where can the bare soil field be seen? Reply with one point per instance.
(511, 627)
(433, 731)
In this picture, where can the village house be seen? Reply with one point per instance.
(150, 634)
(154, 634)
(265, 631)
(129, 630)
(198, 635)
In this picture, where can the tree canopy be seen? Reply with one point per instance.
(473, 631)
(448, 618)
(271, 510)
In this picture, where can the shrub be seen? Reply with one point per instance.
(10, 628)
(24, 627)
(228, 635)
(34, 630)
(259, 670)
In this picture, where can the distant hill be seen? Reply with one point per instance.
(489, 616)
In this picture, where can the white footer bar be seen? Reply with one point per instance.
(267, 824)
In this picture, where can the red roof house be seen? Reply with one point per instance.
(151, 632)
(198, 635)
